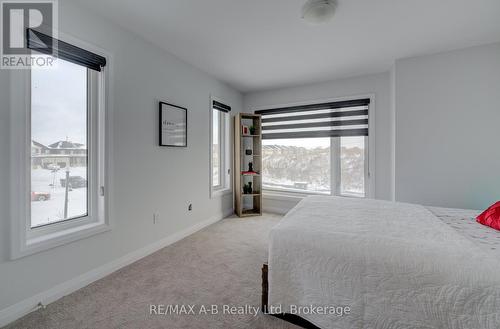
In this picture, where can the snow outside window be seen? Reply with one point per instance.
(59, 155)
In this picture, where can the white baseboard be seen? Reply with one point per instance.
(18, 310)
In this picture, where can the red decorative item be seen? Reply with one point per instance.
(245, 130)
(491, 216)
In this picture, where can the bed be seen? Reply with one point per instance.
(390, 265)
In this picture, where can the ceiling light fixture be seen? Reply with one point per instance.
(318, 11)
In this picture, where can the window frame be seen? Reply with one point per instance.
(334, 175)
(225, 138)
(24, 239)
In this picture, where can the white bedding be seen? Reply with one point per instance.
(464, 222)
(394, 265)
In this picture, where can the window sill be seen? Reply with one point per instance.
(220, 193)
(294, 196)
(41, 243)
(288, 195)
(285, 196)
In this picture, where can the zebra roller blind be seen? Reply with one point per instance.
(334, 119)
(221, 107)
(47, 45)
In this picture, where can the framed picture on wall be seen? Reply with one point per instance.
(173, 125)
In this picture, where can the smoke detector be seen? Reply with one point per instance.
(318, 11)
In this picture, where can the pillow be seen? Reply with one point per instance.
(491, 216)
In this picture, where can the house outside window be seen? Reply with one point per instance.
(60, 144)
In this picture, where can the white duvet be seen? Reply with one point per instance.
(393, 265)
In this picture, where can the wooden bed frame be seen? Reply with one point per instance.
(292, 318)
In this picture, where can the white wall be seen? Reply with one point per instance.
(377, 84)
(147, 178)
(447, 128)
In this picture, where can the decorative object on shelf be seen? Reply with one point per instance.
(173, 125)
(252, 130)
(247, 188)
(250, 167)
(245, 131)
(248, 152)
(249, 173)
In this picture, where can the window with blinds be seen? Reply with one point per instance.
(334, 119)
(62, 137)
(220, 147)
(317, 148)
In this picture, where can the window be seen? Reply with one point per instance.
(352, 166)
(318, 148)
(297, 164)
(59, 125)
(219, 151)
(62, 173)
(217, 147)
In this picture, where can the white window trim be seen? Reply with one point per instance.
(25, 240)
(226, 184)
(369, 150)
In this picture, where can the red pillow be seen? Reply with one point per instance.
(491, 216)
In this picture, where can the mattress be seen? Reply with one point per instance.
(393, 265)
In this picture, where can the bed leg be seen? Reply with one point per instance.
(265, 288)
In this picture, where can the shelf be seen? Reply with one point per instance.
(250, 116)
(250, 212)
(247, 205)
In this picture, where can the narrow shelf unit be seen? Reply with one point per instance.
(250, 203)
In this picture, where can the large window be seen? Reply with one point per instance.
(297, 164)
(318, 148)
(220, 174)
(59, 148)
(59, 135)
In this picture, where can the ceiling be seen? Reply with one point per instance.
(263, 44)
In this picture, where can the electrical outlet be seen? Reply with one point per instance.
(156, 218)
(190, 207)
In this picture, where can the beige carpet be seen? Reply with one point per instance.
(216, 266)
